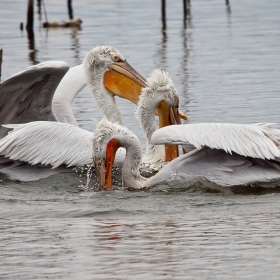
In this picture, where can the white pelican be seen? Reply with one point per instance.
(224, 154)
(76, 79)
(27, 96)
(56, 143)
(108, 74)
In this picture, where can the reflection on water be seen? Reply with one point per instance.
(184, 63)
(147, 235)
(228, 8)
(31, 45)
(75, 43)
(74, 35)
(163, 50)
(225, 64)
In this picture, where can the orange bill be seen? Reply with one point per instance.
(175, 116)
(111, 150)
(122, 86)
(182, 115)
(168, 116)
(124, 81)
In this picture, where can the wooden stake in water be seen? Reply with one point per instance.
(163, 14)
(70, 10)
(1, 54)
(186, 11)
(186, 8)
(29, 24)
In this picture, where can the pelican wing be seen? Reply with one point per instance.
(27, 95)
(256, 141)
(219, 167)
(24, 172)
(52, 143)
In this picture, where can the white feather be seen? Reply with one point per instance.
(27, 95)
(256, 141)
(160, 87)
(51, 143)
(70, 85)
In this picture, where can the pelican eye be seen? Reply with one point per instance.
(116, 58)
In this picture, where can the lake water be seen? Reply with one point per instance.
(226, 66)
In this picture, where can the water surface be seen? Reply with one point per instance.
(225, 64)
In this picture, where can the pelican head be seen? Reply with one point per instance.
(108, 137)
(105, 64)
(161, 95)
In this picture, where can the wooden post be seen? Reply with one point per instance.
(29, 24)
(186, 8)
(186, 11)
(70, 10)
(163, 14)
(1, 54)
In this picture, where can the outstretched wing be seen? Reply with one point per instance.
(218, 167)
(256, 141)
(27, 96)
(46, 143)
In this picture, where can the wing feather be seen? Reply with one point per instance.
(218, 167)
(27, 96)
(46, 143)
(256, 140)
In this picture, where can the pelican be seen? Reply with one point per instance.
(225, 154)
(57, 143)
(28, 95)
(76, 79)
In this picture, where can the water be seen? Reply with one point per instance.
(225, 66)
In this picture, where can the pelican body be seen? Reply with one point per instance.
(57, 143)
(253, 162)
(28, 96)
(224, 154)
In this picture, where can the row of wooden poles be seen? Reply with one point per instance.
(30, 11)
(1, 55)
(30, 17)
(186, 12)
(30, 23)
